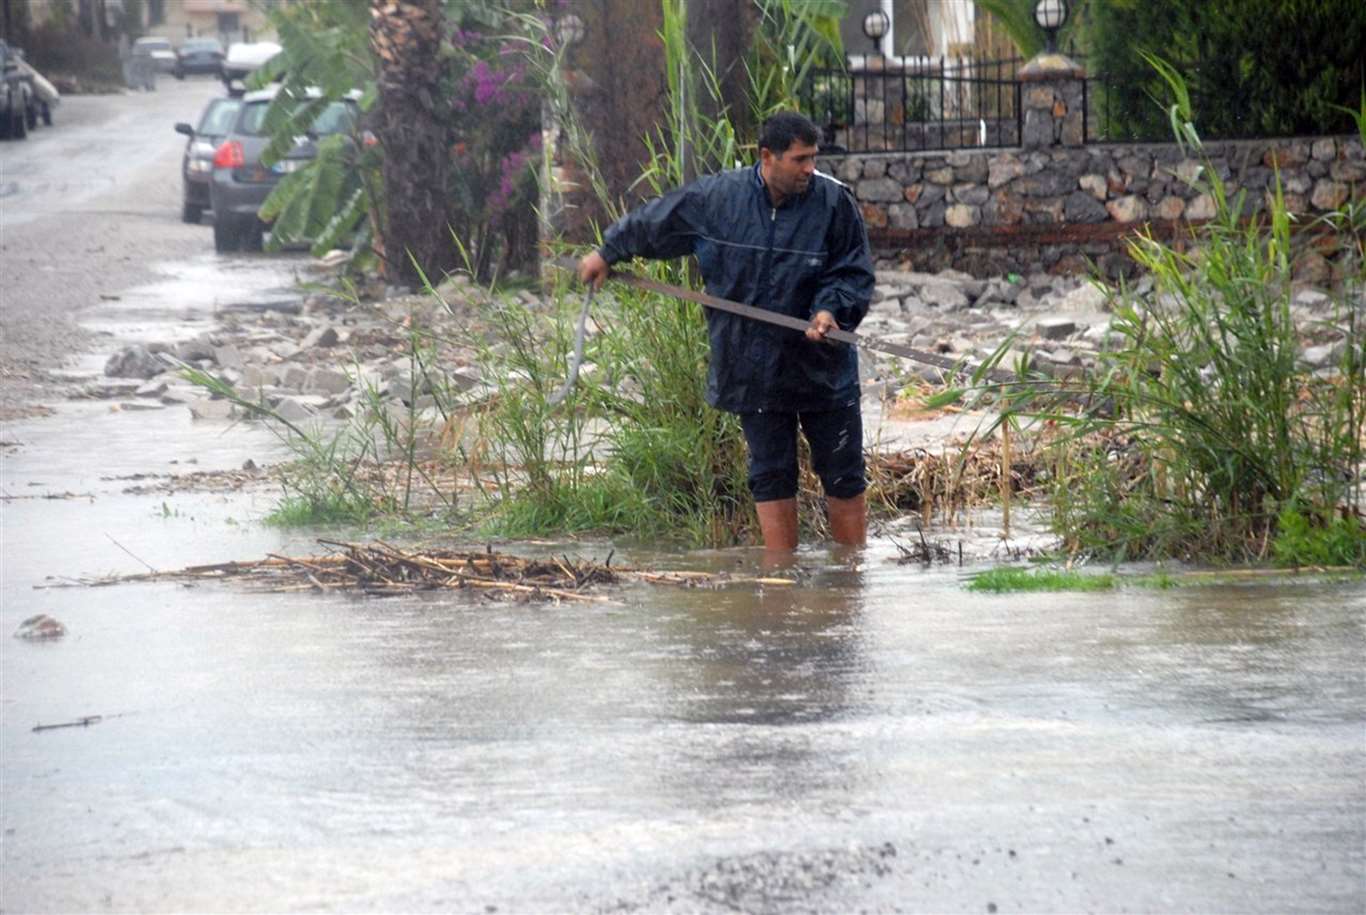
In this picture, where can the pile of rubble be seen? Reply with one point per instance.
(321, 356)
(316, 356)
(1062, 322)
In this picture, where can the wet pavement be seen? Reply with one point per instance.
(875, 738)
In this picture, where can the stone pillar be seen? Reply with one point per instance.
(1052, 94)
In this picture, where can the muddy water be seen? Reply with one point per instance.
(874, 738)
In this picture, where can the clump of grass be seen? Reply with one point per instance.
(634, 448)
(1301, 541)
(318, 509)
(1010, 579)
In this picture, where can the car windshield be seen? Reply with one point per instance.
(335, 118)
(217, 119)
(200, 44)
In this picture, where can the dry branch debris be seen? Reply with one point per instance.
(379, 568)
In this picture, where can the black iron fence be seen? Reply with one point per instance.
(911, 104)
(895, 105)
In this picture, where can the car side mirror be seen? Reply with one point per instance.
(184, 128)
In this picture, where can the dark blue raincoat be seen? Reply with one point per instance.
(808, 255)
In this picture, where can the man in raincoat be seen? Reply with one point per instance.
(782, 236)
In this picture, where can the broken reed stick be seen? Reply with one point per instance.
(1005, 479)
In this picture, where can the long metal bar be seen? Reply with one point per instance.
(797, 324)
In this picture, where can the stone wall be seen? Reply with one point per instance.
(1055, 203)
(1021, 210)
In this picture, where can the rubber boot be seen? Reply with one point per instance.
(848, 519)
(778, 523)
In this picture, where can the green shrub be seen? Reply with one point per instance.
(1202, 423)
(1254, 67)
(1309, 540)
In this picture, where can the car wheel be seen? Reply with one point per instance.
(47, 115)
(179, 73)
(253, 235)
(191, 213)
(226, 237)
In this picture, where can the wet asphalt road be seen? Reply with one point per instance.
(874, 739)
(88, 208)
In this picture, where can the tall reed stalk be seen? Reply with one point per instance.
(1206, 435)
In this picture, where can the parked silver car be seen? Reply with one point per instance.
(196, 165)
(240, 183)
(159, 49)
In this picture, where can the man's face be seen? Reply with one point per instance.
(789, 173)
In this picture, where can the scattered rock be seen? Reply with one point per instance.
(1088, 297)
(194, 350)
(40, 628)
(1313, 299)
(1325, 355)
(153, 388)
(260, 376)
(326, 335)
(105, 390)
(326, 381)
(228, 357)
(1055, 327)
(210, 408)
(944, 295)
(292, 410)
(294, 378)
(135, 361)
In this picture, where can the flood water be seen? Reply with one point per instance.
(875, 738)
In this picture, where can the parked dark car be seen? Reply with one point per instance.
(17, 111)
(199, 55)
(196, 165)
(241, 183)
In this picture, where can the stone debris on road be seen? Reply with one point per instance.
(324, 356)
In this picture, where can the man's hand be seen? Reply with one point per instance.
(593, 270)
(822, 322)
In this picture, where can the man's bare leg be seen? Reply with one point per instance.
(778, 523)
(848, 519)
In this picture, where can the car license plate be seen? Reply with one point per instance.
(285, 166)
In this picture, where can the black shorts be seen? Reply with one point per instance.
(836, 440)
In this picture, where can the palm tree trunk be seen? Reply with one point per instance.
(412, 129)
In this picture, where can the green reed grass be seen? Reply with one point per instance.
(1202, 430)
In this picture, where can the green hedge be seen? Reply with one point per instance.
(1254, 67)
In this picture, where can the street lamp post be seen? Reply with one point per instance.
(1050, 15)
(875, 26)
